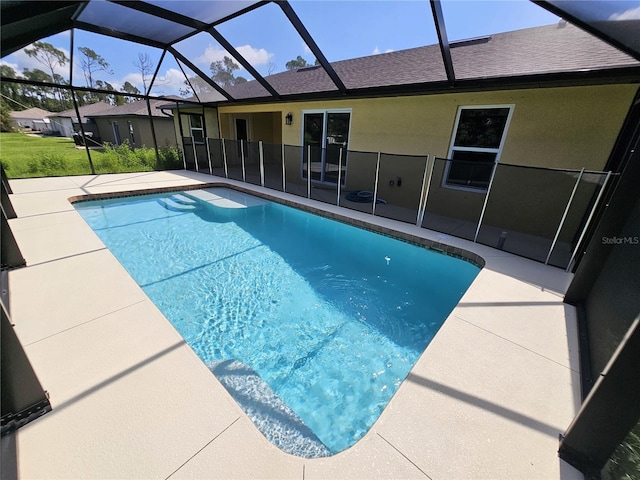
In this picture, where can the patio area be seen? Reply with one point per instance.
(488, 398)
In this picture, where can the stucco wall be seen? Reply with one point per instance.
(141, 130)
(211, 121)
(569, 127)
(564, 127)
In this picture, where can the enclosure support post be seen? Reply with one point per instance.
(206, 142)
(486, 200)
(184, 153)
(339, 175)
(564, 216)
(84, 137)
(261, 163)
(284, 182)
(610, 410)
(224, 159)
(588, 222)
(206, 139)
(155, 74)
(195, 152)
(375, 188)
(75, 105)
(423, 194)
(244, 173)
(11, 257)
(153, 131)
(308, 171)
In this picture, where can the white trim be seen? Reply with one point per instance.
(325, 112)
(247, 119)
(452, 147)
(324, 121)
(192, 128)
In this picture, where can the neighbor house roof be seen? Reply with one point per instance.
(32, 113)
(136, 108)
(85, 110)
(552, 49)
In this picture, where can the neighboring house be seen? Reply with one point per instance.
(130, 123)
(66, 122)
(33, 118)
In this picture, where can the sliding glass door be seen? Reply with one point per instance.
(326, 139)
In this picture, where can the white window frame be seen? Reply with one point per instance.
(200, 129)
(452, 147)
(234, 126)
(325, 112)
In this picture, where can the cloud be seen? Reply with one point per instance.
(376, 51)
(15, 68)
(211, 54)
(631, 14)
(255, 56)
(134, 79)
(169, 83)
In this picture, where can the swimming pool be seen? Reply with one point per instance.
(311, 324)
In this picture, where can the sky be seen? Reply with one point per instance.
(342, 30)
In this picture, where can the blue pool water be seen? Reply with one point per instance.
(326, 318)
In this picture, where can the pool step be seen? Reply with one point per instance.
(268, 412)
(178, 203)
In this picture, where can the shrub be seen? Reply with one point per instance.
(5, 118)
(48, 164)
(121, 158)
(170, 158)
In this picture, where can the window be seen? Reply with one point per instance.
(132, 138)
(116, 133)
(196, 128)
(478, 139)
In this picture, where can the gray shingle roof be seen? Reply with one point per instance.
(553, 48)
(136, 108)
(34, 113)
(85, 110)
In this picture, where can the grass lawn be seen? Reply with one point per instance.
(25, 156)
(30, 156)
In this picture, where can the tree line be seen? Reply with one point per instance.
(20, 96)
(222, 73)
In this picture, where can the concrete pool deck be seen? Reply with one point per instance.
(486, 400)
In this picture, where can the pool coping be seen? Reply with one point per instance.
(436, 246)
(483, 395)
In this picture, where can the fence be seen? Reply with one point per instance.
(538, 213)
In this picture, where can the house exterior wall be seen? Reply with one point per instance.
(210, 118)
(142, 130)
(563, 127)
(38, 124)
(165, 135)
(63, 125)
